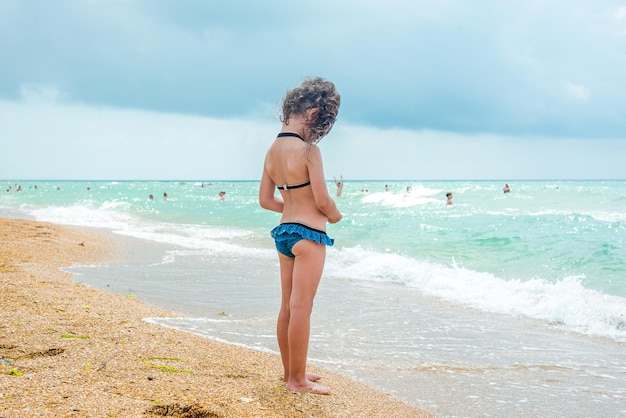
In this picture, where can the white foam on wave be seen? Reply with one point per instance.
(565, 303)
(598, 215)
(86, 213)
(113, 216)
(608, 216)
(421, 196)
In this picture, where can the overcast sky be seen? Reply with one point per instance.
(440, 89)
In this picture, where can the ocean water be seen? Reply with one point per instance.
(499, 305)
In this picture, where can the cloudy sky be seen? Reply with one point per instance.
(440, 89)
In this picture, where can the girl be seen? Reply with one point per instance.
(293, 165)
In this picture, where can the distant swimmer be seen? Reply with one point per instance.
(151, 197)
(222, 195)
(165, 196)
(506, 189)
(339, 185)
(449, 196)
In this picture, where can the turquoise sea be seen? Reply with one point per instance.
(499, 305)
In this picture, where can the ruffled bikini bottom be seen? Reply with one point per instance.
(289, 234)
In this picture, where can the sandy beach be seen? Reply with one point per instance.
(68, 350)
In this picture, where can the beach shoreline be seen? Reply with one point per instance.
(67, 349)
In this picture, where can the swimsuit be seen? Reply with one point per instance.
(289, 234)
(295, 186)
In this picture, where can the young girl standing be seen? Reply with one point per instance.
(293, 165)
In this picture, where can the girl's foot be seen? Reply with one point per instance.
(310, 387)
(312, 377)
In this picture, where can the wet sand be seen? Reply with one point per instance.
(68, 350)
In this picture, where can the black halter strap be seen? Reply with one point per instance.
(282, 134)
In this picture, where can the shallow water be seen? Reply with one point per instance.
(449, 359)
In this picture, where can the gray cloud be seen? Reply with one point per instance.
(534, 68)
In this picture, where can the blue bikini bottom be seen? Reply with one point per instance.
(288, 234)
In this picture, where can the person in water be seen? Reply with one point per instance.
(293, 165)
(339, 185)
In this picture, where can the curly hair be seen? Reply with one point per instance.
(313, 93)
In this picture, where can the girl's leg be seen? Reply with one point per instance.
(306, 274)
(282, 326)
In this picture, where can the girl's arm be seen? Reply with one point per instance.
(324, 202)
(267, 197)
